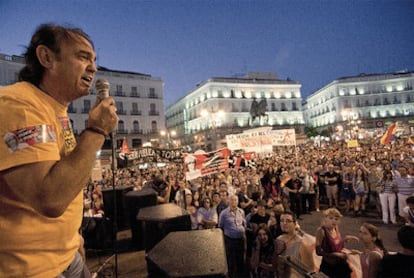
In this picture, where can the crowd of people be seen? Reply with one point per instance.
(346, 181)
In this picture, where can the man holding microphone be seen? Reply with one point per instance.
(43, 170)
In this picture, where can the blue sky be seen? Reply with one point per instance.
(188, 41)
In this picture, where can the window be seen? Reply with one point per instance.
(118, 91)
(152, 93)
(121, 125)
(135, 125)
(136, 143)
(134, 92)
(71, 109)
(120, 108)
(86, 106)
(396, 100)
(234, 108)
(294, 106)
(121, 128)
(153, 110)
(154, 126)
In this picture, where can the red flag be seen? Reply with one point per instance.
(388, 136)
(125, 148)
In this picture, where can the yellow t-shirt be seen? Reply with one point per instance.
(33, 128)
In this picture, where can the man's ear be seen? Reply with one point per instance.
(45, 56)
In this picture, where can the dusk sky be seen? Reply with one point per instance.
(186, 42)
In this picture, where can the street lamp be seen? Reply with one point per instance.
(352, 124)
(213, 121)
(169, 135)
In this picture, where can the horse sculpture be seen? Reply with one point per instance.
(258, 110)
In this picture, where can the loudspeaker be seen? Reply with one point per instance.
(136, 200)
(198, 253)
(158, 221)
(108, 199)
(97, 233)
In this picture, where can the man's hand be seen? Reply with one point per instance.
(103, 116)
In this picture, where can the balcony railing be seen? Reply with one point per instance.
(119, 94)
(85, 110)
(136, 113)
(137, 131)
(153, 113)
(122, 131)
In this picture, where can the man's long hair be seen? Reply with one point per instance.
(51, 36)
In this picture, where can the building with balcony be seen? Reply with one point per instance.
(228, 105)
(365, 101)
(139, 100)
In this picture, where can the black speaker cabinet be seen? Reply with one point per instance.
(158, 221)
(136, 200)
(108, 198)
(97, 233)
(198, 253)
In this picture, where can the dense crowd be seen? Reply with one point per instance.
(296, 181)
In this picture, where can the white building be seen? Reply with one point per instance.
(366, 101)
(139, 99)
(221, 106)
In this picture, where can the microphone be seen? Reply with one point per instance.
(102, 89)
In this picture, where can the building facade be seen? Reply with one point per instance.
(221, 106)
(363, 102)
(139, 100)
(348, 107)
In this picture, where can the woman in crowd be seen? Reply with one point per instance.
(196, 198)
(206, 215)
(192, 210)
(348, 190)
(291, 244)
(387, 197)
(408, 212)
(373, 251)
(261, 260)
(361, 191)
(330, 245)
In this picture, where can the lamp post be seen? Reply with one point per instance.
(352, 124)
(168, 134)
(213, 121)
